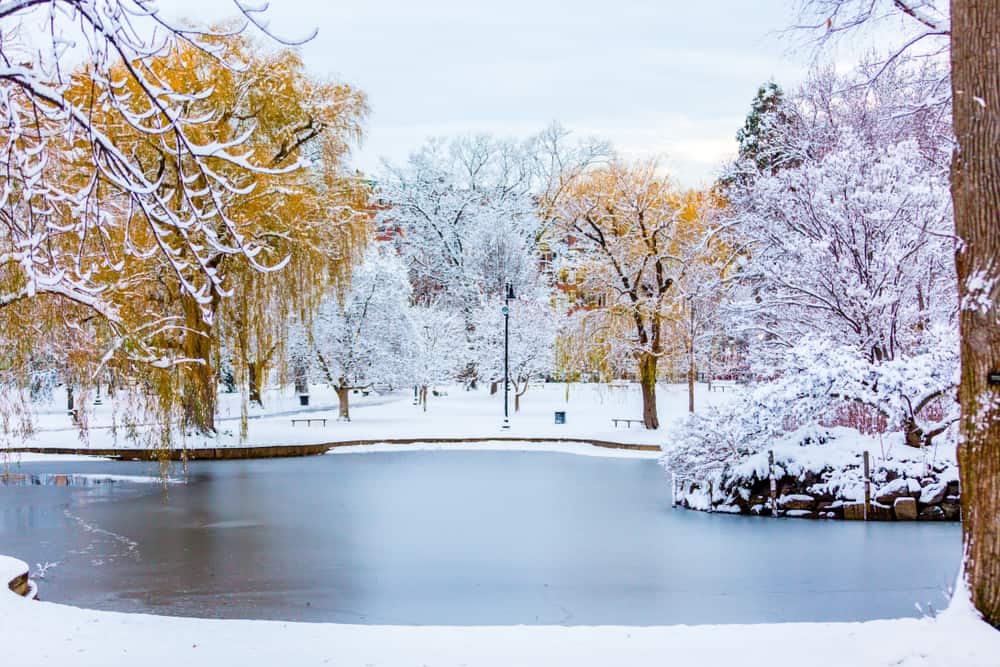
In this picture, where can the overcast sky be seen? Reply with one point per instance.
(664, 78)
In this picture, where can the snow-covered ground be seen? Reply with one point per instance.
(42, 633)
(459, 414)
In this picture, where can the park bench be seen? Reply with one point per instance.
(309, 420)
(721, 385)
(628, 422)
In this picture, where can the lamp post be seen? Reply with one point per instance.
(508, 297)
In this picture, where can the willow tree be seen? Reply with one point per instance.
(137, 165)
(622, 237)
(300, 212)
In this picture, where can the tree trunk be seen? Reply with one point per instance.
(198, 397)
(914, 434)
(493, 387)
(975, 187)
(692, 371)
(423, 397)
(301, 378)
(647, 379)
(257, 370)
(344, 398)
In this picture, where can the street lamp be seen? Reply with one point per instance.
(508, 297)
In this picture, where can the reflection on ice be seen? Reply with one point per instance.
(57, 479)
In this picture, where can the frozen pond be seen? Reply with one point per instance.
(457, 538)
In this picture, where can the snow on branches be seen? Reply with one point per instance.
(367, 337)
(846, 290)
(467, 219)
(107, 156)
(531, 342)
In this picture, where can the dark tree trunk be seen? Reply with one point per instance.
(199, 394)
(344, 398)
(692, 370)
(975, 187)
(256, 372)
(493, 387)
(301, 378)
(647, 379)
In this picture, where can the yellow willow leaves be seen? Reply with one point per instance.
(296, 205)
(628, 237)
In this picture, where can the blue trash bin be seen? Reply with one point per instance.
(560, 417)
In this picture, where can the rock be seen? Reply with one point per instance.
(879, 512)
(933, 494)
(905, 509)
(932, 513)
(797, 501)
(801, 514)
(953, 489)
(897, 488)
(952, 511)
(854, 511)
(831, 510)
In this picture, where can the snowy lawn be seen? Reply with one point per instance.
(459, 414)
(42, 633)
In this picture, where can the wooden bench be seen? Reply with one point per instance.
(628, 422)
(721, 385)
(309, 420)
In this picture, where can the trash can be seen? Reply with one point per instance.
(560, 417)
(303, 399)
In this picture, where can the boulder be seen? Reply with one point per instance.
(854, 511)
(952, 510)
(932, 513)
(897, 488)
(933, 494)
(879, 512)
(905, 509)
(797, 501)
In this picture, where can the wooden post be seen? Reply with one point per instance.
(774, 483)
(868, 486)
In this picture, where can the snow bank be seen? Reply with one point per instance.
(39, 634)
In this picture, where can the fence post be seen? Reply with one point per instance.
(774, 483)
(868, 486)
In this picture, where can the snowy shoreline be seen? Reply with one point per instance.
(599, 448)
(44, 633)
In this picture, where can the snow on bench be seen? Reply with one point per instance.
(309, 420)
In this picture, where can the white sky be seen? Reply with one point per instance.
(665, 78)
